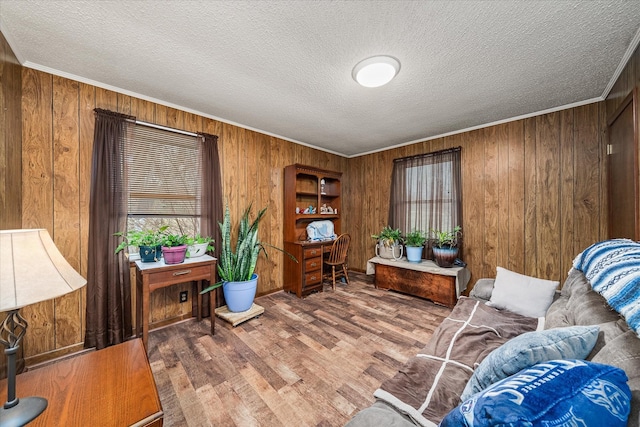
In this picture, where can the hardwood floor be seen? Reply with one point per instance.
(304, 362)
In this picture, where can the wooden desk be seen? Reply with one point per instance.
(109, 387)
(155, 275)
(305, 276)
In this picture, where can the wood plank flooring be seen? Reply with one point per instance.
(304, 362)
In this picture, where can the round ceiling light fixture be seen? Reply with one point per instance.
(376, 71)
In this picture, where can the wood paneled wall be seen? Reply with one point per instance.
(58, 122)
(10, 138)
(533, 192)
(10, 153)
(628, 79)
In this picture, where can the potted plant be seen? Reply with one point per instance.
(198, 246)
(445, 246)
(389, 243)
(414, 241)
(236, 267)
(148, 242)
(174, 247)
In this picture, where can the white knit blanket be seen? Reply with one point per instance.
(613, 269)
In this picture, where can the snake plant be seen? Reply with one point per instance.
(239, 265)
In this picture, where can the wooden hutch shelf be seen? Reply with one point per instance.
(306, 187)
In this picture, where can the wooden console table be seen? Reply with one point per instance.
(109, 387)
(155, 275)
(424, 279)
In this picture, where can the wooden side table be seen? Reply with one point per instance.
(109, 387)
(155, 275)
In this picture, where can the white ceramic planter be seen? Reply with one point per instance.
(197, 250)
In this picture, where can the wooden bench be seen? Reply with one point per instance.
(424, 279)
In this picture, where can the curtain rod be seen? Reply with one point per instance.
(151, 125)
(433, 153)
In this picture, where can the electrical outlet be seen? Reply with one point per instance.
(183, 296)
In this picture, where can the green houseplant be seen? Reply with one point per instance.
(389, 242)
(236, 268)
(445, 246)
(148, 241)
(414, 241)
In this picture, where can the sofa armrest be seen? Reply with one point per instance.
(482, 290)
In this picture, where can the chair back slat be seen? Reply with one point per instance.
(339, 249)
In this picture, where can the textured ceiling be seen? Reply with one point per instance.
(284, 67)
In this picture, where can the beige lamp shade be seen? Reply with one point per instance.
(32, 269)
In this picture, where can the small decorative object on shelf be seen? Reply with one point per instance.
(324, 209)
(322, 184)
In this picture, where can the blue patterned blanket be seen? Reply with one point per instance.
(613, 269)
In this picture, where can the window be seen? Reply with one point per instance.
(163, 180)
(426, 192)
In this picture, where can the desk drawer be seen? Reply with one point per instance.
(312, 252)
(313, 264)
(185, 273)
(312, 278)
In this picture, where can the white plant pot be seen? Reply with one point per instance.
(389, 252)
(197, 250)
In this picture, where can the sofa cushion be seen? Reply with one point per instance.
(525, 295)
(578, 304)
(529, 349)
(623, 351)
(561, 392)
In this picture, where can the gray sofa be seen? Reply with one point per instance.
(575, 304)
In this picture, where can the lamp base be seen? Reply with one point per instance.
(27, 409)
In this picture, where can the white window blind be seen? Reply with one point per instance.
(162, 174)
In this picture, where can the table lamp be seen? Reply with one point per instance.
(32, 270)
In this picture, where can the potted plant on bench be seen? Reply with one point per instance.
(445, 246)
(389, 243)
(414, 241)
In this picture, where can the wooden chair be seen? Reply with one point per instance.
(338, 258)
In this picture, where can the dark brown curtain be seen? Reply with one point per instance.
(108, 284)
(426, 192)
(212, 209)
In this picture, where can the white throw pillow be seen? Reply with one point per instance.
(522, 294)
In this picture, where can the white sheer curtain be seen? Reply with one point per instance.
(426, 192)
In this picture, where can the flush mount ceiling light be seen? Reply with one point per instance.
(376, 71)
